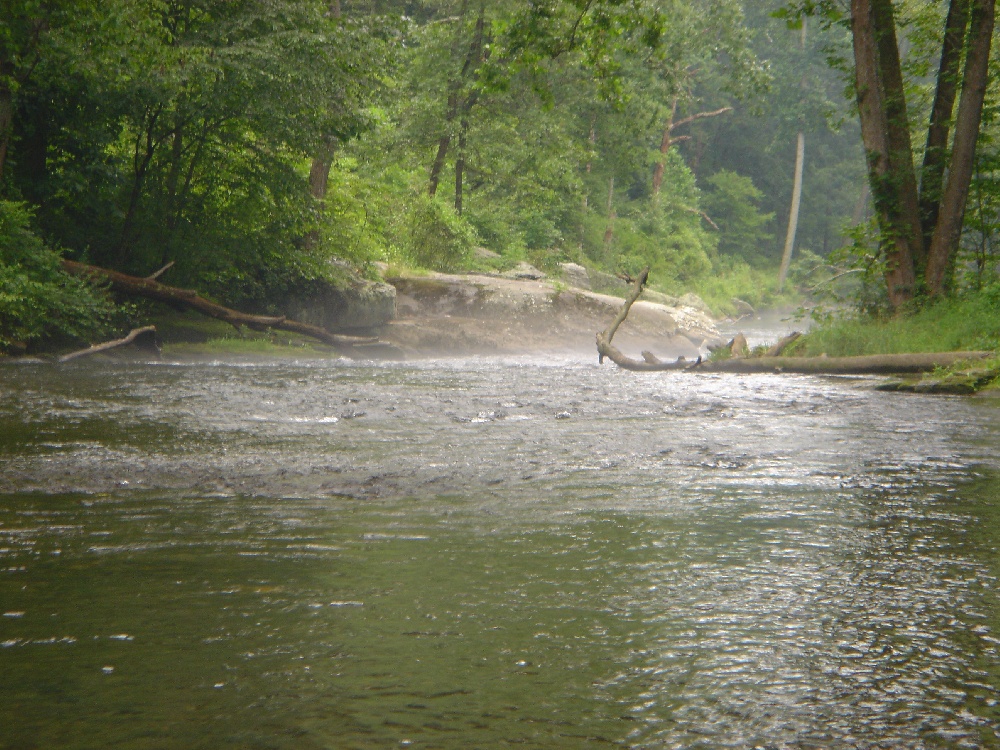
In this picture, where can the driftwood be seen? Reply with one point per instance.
(876, 364)
(185, 298)
(145, 336)
(606, 349)
(880, 364)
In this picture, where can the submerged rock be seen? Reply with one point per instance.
(956, 383)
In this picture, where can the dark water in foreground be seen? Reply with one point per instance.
(488, 553)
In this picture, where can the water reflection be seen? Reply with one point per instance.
(683, 562)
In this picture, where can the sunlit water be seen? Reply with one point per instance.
(492, 553)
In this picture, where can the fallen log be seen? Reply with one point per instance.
(874, 364)
(135, 336)
(186, 298)
(878, 364)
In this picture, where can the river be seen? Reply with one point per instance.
(492, 552)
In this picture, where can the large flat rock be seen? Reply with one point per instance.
(451, 314)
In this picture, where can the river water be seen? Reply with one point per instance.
(489, 553)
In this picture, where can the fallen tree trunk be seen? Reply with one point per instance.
(185, 298)
(875, 364)
(135, 334)
(878, 364)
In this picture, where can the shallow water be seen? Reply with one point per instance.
(492, 552)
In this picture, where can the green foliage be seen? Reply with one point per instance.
(970, 323)
(437, 237)
(147, 132)
(732, 203)
(38, 300)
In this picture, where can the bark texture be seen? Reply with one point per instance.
(900, 275)
(935, 152)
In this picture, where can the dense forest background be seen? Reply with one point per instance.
(253, 142)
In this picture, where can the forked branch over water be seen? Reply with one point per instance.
(606, 349)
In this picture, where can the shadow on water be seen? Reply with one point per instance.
(493, 553)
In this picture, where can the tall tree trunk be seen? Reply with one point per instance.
(935, 153)
(609, 233)
(793, 214)
(460, 165)
(173, 176)
(593, 141)
(900, 147)
(6, 118)
(793, 211)
(948, 230)
(899, 275)
(454, 87)
(665, 143)
(145, 148)
(319, 178)
(443, 142)
(319, 170)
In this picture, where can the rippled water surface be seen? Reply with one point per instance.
(490, 553)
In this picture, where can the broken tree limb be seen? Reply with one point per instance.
(157, 274)
(134, 334)
(186, 298)
(777, 349)
(606, 349)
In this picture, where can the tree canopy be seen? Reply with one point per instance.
(252, 141)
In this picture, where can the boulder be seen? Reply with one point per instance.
(743, 308)
(524, 271)
(605, 282)
(575, 275)
(693, 300)
(660, 298)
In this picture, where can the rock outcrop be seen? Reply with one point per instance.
(443, 313)
(354, 305)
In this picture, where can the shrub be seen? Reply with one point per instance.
(438, 238)
(37, 299)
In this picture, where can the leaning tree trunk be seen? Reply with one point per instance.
(185, 298)
(935, 151)
(793, 214)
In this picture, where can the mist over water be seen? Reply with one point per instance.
(492, 552)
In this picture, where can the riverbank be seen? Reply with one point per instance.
(437, 314)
